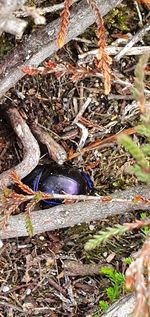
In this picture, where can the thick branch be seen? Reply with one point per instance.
(122, 308)
(69, 215)
(41, 44)
(30, 148)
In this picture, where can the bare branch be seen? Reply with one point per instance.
(69, 215)
(31, 149)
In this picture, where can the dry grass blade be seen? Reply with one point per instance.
(103, 61)
(29, 207)
(64, 23)
(139, 86)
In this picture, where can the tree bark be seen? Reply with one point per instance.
(69, 215)
(41, 44)
(31, 150)
(122, 308)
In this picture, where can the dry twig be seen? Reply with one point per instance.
(76, 268)
(13, 25)
(101, 143)
(82, 109)
(55, 150)
(8, 22)
(41, 44)
(30, 148)
(136, 38)
(50, 9)
(35, 13)
(113, 50)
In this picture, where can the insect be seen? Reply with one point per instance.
(56, 179)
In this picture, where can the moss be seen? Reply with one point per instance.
(31, 2)
(6, 44)
(123, 18)
(117, 18)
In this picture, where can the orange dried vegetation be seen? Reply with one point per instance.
(98, 143)
(64, 23)
(103, 61)
(146, 2)
(136, 277)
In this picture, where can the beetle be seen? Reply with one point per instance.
(56, 179)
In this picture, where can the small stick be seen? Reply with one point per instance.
(57, 286)
(136, 38)
(113, 50)
(126, 83)
(120, 97)
(8, 22)
(101, 143)
(30, 148)
(69, 197)
(76, 268)
(50, 9)
(84, 135)
(82, 110)
(14, 307)
(55, 150)
(138, 12)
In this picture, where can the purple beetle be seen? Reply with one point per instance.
(56, 179)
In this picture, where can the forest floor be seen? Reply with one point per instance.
(51, 274)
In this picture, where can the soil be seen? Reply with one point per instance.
(34, 280)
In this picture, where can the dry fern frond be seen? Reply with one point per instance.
(10, 202)
(64, 23)
(59, 70)
(19, 183)
(146, 2)
(103, 61)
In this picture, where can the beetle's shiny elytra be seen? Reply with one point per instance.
(56, 179)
